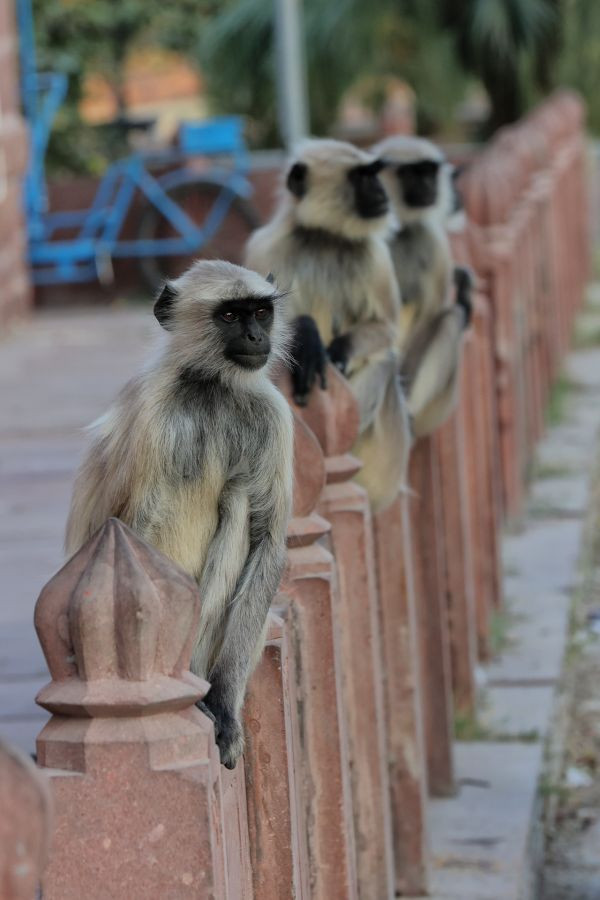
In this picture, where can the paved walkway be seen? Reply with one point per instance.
(56, 375)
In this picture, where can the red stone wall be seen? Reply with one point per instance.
(15, 291)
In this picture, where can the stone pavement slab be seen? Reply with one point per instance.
(520, 711)
(566, 497)
(536, 643)
(479, 837)
(57, 374)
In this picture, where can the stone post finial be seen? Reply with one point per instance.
(116, 624)
(132, 762)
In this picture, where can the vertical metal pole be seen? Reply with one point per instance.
(291, 71)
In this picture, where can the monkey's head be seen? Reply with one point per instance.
(417, 177)
(223, 320)
(335, 187)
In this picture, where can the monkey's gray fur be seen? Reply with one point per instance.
(196, 456)
(337, 266)
(432, 325)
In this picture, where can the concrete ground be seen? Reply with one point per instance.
(60, 371)
(57, 374)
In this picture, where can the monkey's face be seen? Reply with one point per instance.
(245, 328)
(370, 200)
(353, 192)
(418, 183)
(223, 321)
(335, 187)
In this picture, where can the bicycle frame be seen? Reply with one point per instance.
(87, 255)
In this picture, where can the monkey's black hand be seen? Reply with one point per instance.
(229, 734)
(309, 359)
(339, 351)
(464, 283)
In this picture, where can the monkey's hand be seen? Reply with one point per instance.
(308, 359)
(339, 351)
(229, 734)
(464, 283)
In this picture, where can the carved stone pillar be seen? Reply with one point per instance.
(133, 765)
(322, 777)
(25, 824)
(332, 416)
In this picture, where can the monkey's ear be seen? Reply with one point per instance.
(163, 308)
(297, 179)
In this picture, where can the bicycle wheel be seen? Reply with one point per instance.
(196, 198)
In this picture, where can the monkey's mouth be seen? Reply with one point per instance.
(373, 209)
(250, 360)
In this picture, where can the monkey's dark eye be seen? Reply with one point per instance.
(229, 317)
(262, 313)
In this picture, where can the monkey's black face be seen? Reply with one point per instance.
(419, 183)
(245, 326)
(370, 198)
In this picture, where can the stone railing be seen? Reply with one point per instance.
(376, 631)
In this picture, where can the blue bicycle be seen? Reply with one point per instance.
(194, 196)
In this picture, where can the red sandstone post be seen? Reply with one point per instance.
(427, 537)
(318, 729)
(333, 417)
(278, 868)
(403, 697)
(25, 824)
(132, 762)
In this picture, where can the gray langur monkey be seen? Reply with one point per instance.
(326, 243)
(195, 456)
(420, 184)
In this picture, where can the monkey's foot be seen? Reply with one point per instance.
(229, 734)
(230, 740)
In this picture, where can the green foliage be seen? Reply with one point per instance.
(79, 37)
(579, 63)
(505, 43)
(345, 42)
(559, 396)
(438, 46)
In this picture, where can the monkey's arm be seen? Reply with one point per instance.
(464, 282)
(308, 359)
(249, 601)
(376, 329)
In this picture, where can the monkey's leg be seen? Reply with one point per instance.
(384, 439)
(220, 574)
(434, 363)
(243, 639)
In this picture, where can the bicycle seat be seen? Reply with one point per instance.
(211, 136)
